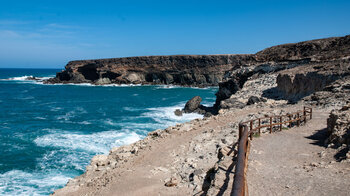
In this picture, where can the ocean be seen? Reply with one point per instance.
(49, 133)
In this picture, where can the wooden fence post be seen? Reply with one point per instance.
(310, 113)
(281, 123)
(271, 124)
(304, 113)
(298, 119)
(251, 128)
(290, 118)
(259, 126)
(240, 131)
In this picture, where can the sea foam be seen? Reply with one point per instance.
(96, 143)
(17, 182)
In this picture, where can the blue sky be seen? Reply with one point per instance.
(40, 34)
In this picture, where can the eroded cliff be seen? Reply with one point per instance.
(194, 70)
(309, 66)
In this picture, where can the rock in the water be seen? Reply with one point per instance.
(193, 104)
(178, 112)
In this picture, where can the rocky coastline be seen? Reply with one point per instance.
(191, 158)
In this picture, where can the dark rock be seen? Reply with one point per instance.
(193, 70)
(178, 112)
(208, 114)
(254, 99)
(231, 103)
(193, 104)
(226, 89)
(31, 78)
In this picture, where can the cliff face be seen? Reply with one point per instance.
(303, 81)
(309, 67)
(195, 70)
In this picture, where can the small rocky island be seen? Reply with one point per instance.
(198, 157)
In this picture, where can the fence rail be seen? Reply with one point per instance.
(240, 187)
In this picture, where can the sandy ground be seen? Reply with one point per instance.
(295, 162)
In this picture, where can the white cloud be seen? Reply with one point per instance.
(13, 22)
(9, 34)
(59, 26)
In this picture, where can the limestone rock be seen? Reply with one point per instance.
(100, 160)
(338, 127)
(172, 182)
(103, 81)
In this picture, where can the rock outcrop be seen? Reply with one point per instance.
(309, 67)
(193, 104)
(193, 70)
(338, 127)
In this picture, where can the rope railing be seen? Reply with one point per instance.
(240, 187)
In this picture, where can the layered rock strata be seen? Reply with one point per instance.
(309, 67)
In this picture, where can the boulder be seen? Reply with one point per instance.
(254, 99)
(100, 160)
(338, 126)
(171, 182)
(193, 104)
(231, 103)
(178, 112)
(103, 81)
(134, 78)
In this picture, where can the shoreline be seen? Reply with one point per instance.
(187, 158)
(133, 169)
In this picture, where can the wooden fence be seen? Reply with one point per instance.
(247, 129)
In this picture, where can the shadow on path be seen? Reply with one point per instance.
(319, 137)
(211, 174)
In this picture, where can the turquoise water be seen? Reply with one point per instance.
(49, 133)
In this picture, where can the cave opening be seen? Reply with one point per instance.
(110, 75)
(89, 72)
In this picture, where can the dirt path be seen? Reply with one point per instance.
(294, 162)
(187, 152)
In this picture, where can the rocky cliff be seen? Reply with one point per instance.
(309, 67)
(194, 70)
